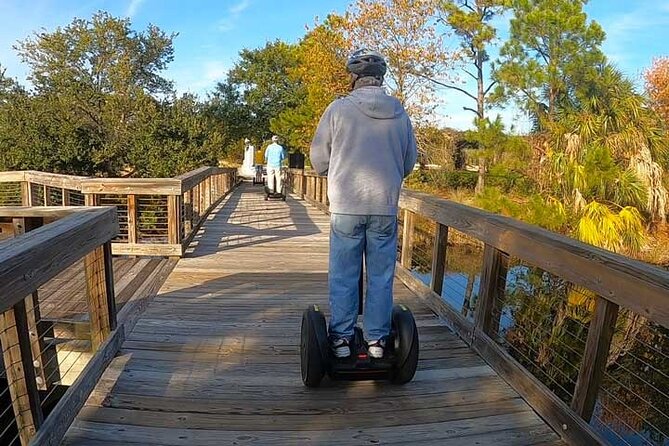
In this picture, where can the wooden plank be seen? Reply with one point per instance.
(28, 262)
(174, 219)
(194, 177)
(493, 282)
(188, 212)
(629, 283)
(457, 430)
(54, 428)
(591, 372)
(96, 296)
(136, 186)
(66, 197)
(51, 212)
(132, 219)
(138, 302)
(439, 258)
(25, 193)
(13, 176)
(55, 180)
(147, 249)
(407, 239)
(19, 371)
(215, 351)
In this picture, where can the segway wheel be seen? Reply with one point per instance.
(313, 339)
(406, 345)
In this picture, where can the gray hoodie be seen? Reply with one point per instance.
(366, 145)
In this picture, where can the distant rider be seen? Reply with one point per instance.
(274, 156)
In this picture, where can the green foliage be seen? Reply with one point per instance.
(471, 22)
(266, 88)
(101, 107)
(551, 48)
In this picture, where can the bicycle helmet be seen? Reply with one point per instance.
(366, 62)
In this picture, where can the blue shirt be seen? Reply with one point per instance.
(274, 155)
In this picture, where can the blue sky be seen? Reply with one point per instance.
(211, 33)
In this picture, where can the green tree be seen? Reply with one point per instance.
(321, 70)
(471, 22)
(262, 77)
(552, 48)
(181, 136)
(92, 79)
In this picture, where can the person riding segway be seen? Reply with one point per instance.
(274, 156)
(365, 144)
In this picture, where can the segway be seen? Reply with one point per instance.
(398, 364)
(281, 195)
(258, 178)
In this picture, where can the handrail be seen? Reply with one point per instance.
(35, 255)
(612, 280)
(30, 260)
(158, 215)
(630, 283)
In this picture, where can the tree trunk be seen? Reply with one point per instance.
(480, 182)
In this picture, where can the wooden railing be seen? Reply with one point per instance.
(157, 216)
(29, 352)
(527, 270)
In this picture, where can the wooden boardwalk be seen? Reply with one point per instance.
(214, 359)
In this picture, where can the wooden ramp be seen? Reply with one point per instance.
(214, 360)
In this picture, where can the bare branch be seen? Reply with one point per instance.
(473, 77)
(487, 90)
(473, 111)
(452, 87)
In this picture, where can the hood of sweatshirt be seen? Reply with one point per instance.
(375, 103)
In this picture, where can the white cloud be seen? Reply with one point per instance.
(133, 7)
(229, 22)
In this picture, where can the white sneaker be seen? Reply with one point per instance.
(376, 348)
(340, 348)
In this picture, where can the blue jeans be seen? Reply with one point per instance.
(350, 237)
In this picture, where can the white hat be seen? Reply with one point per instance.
(275, 138)
(246, 140)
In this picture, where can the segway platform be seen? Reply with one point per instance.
(276, 195)
(398, 364)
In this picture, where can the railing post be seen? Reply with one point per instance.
(21, 380)
(407, 239)
(188, 212)
(98, 306)
(132, 219)
(66, 197)
(439, 258)
(591, 372)
(493, 283)
(303, 185)
(174, 219)
(46, 195)
(90, 200)
(25, 193)
(109, 284)
(207, 194)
